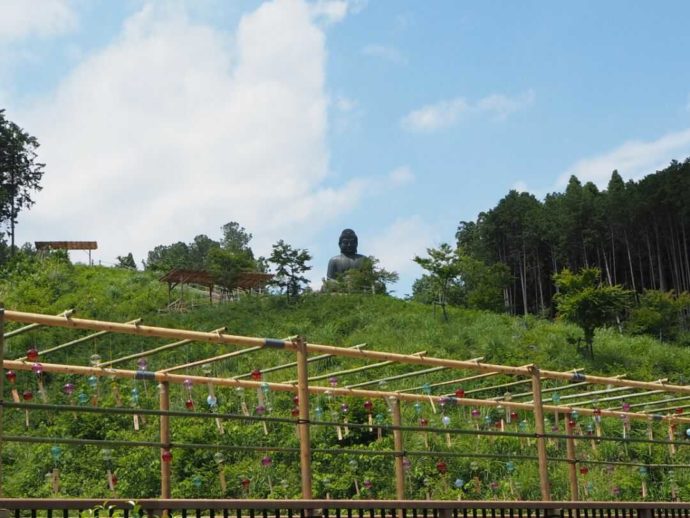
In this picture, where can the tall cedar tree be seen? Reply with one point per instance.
(20, 173)
(636, 233)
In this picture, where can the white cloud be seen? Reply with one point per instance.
(331, 11)
(446, 113)
(23, 18)
(345, 104)
(334, 11)
(170, 132)
(435, 116)
(500, 106)
(633, 159)
(383, 52)
(401, 176)
(399, 243)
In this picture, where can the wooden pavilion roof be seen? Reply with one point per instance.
(244, 280)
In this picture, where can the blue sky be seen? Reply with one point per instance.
(163, 120)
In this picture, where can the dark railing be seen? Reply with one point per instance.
(198, 508)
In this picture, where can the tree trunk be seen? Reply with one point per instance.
(687, 261)
(613, 257)
(662, 279)
(652, 278)
(523, 278)
(606, 264)
(632, 271)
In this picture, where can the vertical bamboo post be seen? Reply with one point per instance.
(2, 388)
(572, 464)
(399, 448)
(539, 432)
(164, 391)
(303, 422)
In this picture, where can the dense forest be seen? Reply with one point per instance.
(635, 233)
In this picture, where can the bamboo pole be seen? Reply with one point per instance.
(212, 359)
(303, 423)
(164, 389)
(661, 402)
(2, 388)
(79, 340)
(614, 391)
(157, 350)
(397, 377)
(398, 445)
(539, 432)
(569, 386)
(496, 387)
(354, 370)
(572, 466)
(245, 341)
(285, 387)
(294, 364)
(25, 329)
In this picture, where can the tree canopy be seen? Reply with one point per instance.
(584, 301)
(290, 265)
(20, 173)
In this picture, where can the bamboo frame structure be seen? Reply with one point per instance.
(355, 370)
(83, 339)
(30, 327)
(213, 359)
(294, 364)
(302, 388)
(2, 389)
(164, 394)
(399, 447)
(156, 350)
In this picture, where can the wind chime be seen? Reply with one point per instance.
(422, 421)
(219, 458)
(55, 453)
(11, 378)
(267, 463)
(107, 455)
(261, 392)
(211, 399)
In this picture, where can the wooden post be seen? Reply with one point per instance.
(572, 464)
(539, 431)
(2, 388)
(303, 422)
(399, 448)
(164, 388)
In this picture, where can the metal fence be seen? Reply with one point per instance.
(198, 508)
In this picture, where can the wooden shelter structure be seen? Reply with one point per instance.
(534, 401)
(43, 246)
(246, 281)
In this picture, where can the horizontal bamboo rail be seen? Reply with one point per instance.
(290, 365)
(81, 340)
(26, 329)
(397, 377)
(335, 391)
(245, 341)
(156, 350)
(212, 359)
(354, 370)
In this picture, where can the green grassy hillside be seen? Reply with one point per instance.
(383, 323)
